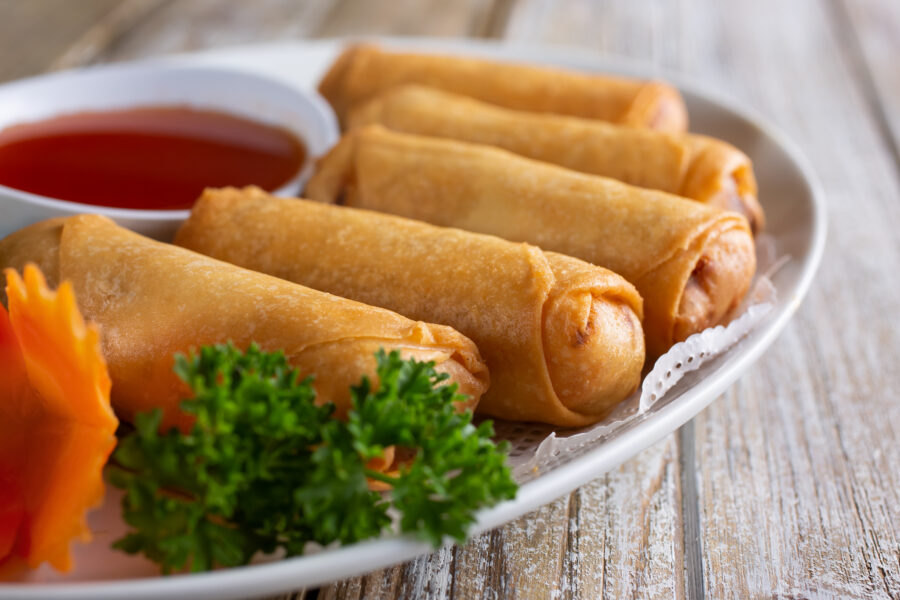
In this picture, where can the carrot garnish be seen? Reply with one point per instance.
(56, 425)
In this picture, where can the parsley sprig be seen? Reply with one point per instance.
(264, 468)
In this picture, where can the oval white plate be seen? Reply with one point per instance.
(796, 220)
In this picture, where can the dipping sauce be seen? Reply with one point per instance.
(148, 158)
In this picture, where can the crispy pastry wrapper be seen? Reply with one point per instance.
(562, 338)
(363, 71)
(691, 263)
(694, 166)
(153, 300)
(536, 449)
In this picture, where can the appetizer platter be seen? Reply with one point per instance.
(527, 232)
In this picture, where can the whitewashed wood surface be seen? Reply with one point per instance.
(789, 485)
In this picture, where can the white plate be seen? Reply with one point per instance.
(795, 216)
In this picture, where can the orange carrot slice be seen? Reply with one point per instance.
(56, 425)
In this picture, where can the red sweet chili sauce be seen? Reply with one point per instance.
(148, 158)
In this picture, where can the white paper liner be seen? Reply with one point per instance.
(536, 448)
(693, 352)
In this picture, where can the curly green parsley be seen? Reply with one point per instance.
(264, 468)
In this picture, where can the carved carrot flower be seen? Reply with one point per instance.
(56, 425)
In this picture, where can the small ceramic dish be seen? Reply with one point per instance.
(258, 98)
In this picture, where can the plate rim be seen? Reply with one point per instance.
(316, 569)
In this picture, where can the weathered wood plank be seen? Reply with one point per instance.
(107, 32)
(646, 31)
(798, 464)
(33, 34)
(185, 25)
(817, 474)
(875, 30)
(406, 17)
(141, 28)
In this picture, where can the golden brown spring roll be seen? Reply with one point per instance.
(694, 166)
(363, 71)
(562, 338)
(153, 300)
(690, 262)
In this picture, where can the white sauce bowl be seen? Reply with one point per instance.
(303, 113)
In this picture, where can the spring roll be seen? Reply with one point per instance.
(363, 71)
(153, 300)
(691, 263)
(694, 166)
(561, 338)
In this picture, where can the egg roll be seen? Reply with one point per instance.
(562, 339)
(694, 166)
(363, 71)
(691, 263)
(152, 300)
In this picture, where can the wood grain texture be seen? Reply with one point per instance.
(814, 460)
(873, 34)
(407, 17)
(107, 31)
(143, 28)
(34, 34)
(186, 25)
(797, 465)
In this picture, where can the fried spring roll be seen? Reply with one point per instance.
(694, 166)
(363, 71)
(562, 338)
(153, 300)
(691, 263)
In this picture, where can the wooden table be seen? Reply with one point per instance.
(789, 485)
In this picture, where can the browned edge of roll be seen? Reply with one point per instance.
(658, 106)
(718, 283)
(721, 262)
(591, 311)
(470, 373)
(721, 175)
